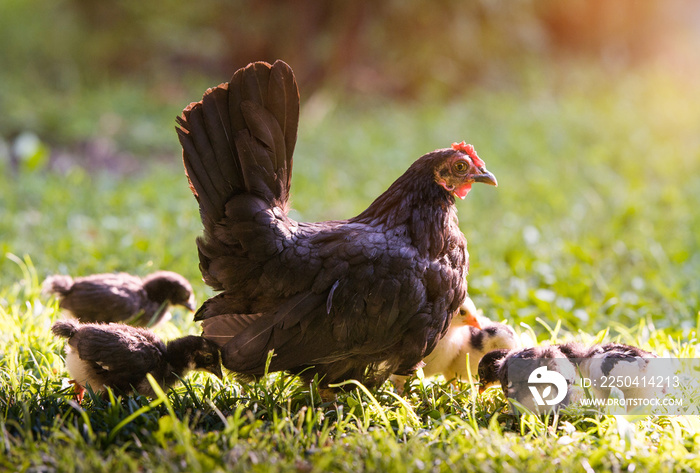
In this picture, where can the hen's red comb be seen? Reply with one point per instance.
(471, 152)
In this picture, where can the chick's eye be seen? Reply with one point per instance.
(208, 358)
(460, 167)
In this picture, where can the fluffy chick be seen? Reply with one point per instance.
(598, 364)
(501, 366)
(121, 297)
(623, 362)
(469, 334)
(119, 356)
(491, 363)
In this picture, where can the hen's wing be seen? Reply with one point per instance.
(367, 296)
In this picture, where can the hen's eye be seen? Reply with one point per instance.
(460, 166)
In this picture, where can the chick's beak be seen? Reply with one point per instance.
(469, 313)
(486, 177)
(472, 320)
(216, 371)
(191, 304)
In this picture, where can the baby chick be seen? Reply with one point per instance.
(518, 370)
(119, 356)
(604, 367)
(469, 334)
(121, 297)
(573, 350)
(490, 365)
(489, 370)
(626, 368)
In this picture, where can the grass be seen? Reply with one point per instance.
(592, 234)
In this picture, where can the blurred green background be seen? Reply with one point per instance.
(587, 111)
(88, 75)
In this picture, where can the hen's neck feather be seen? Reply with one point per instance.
(417, 202)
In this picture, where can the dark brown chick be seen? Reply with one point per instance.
(119, 356)
(121, 297)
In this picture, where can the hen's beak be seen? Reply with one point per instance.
(486, 177)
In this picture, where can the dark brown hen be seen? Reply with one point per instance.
(347, 299)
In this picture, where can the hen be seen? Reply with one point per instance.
(344, 299)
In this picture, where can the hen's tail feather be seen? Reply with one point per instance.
(200, 161)
(250, 83)
(64, 328)
(283, 97)
(217, 119)
(240, 138)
